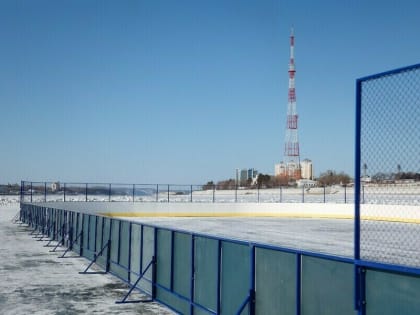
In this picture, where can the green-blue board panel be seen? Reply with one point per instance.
(275, 282)
(115, 230)
(235, 277)
(391, 293)
(206, 254)
(327, 287)
(182, 264)
(163, 275)
(135, 250)
(124, 243)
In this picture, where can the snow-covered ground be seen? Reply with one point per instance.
(34, 281)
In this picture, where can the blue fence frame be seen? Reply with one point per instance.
(318, 284)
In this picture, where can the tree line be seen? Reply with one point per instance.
(327, 178)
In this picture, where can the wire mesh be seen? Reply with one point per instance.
(390, 167)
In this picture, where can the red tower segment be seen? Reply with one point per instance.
(291, 148)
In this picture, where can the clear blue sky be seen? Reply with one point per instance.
(186, 91)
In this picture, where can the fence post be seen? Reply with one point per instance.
(345, 193)
(108, 256)
(157, 192)
(109, 193)
(192, 274)
(236, 192)
(324, 193)
(258, 193)
(45, 191)
(191, 200)
(168, 193)
(252, 282)
(298, 283)
(281, 194)
(214, 192)
(303, 194)
(31, 190)
(64, 196)
(134, 190)
(86, 192)
(22, 189)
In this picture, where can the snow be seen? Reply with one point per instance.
(35, 281)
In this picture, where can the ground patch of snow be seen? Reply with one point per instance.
(35, 281)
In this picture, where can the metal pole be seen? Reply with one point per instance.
(298, 282)
(252, 282)
(258, 193)
(134, 190)
(22, 189)
(45, 191)
(236, 193)
(303, 194)
(109, 193)
(192, 274)
(214, 192)
(281, 194)
(357, 194)
(64, 197)
(191, 198)
(345, 193)
(31, 191)
(157, 192)
(324, 193)
(86, 192)
(168, 192)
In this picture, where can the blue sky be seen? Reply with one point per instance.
(186, 91)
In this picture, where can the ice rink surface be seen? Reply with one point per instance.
(34, 281)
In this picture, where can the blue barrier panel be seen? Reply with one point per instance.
(135, 242)
(148, 248)
(117, 238)
(163, 256)
(124, 244)
(92, 233)
(391, 293)
(206, 273)
(182, 264)
(85, 224)
(327, 287)
(99, 231)
(275, 274)
(235, 278)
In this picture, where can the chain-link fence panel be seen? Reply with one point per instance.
(390, 167)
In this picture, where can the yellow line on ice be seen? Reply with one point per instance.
(254, 215)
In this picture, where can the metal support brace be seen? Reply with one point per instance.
(40, 238)
(60, 242)
(249, 299)
(16, 218)
(124, 300)
(71, 245)
(95, 257)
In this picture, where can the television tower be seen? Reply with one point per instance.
(291, 147)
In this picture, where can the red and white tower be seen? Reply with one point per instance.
(291, 146)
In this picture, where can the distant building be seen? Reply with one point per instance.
(307, 183)
(55, 186)
(307, 170)
(290, 170)
(245, 175)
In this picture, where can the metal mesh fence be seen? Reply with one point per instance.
(390, 166)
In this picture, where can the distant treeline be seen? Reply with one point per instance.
(387, 177)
